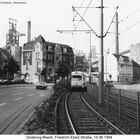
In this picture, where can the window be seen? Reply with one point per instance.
(38, 65)
(37, 55)
(76, 78)
(65, 50)
(27, 65)
(50, 57)
(49, 48)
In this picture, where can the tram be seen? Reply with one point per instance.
(79, 80)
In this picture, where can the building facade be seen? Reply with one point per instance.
(128, 70)
(135, 52)
(40, 59)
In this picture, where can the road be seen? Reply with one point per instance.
(129, 90)
(17, 104)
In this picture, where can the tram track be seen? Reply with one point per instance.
(78, 117)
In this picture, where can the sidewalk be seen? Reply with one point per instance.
(15, 85)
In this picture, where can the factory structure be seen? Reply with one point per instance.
(12, 41)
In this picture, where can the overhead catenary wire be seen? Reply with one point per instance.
(111, 22)
(83, 15)
(129, 15)
(79, 7)
(85, 22)
(128, 28)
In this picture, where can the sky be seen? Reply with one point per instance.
(48, 16)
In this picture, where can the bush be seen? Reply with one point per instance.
(63, 85)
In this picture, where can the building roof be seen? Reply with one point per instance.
(119, 55)
(135, 64)
(40, 39)
(69, 49)
(29, 45)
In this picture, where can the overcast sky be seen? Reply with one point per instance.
(48, 16)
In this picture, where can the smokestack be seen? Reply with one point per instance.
(29, 31)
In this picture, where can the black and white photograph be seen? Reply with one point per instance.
(69, 69)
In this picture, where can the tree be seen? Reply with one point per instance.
(81, 63)
(63, 69)
(11, 67)
(8, 65)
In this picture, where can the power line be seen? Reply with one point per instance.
(85, 22)
(79, 7)
(130, 15)
(128, 28)
(111, 22)
(83, 14)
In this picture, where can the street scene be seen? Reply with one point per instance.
(17, 104)
(70, 67)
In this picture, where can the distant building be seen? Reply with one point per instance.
(40, 59)
(135, 52)
(128, 70)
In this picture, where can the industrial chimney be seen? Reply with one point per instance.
(29, 31)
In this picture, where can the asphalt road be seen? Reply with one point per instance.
(17, 103)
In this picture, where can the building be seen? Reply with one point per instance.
(135, 52)
(40, 59)
(12, 41)
(128, 70)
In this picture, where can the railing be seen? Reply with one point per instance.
(124, 103)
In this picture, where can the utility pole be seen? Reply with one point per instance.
(117, 40)
(101, 57)
(117, 35)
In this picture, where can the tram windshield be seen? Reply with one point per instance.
(76, 77)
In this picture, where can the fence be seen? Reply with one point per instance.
(124, 103)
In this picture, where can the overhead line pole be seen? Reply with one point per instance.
(117, 42)
(101, 56)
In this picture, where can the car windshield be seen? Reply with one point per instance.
(76, 77)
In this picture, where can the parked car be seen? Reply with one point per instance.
(41, 85)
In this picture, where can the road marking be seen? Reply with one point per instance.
(30, 94)
(18, 98)
(17, 94)
(42, 94)
(17, 91)
(3, 104)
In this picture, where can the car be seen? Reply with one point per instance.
(41, 85)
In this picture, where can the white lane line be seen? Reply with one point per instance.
(30, 94)
(18, 98)
(16, 94)
(17, 91)
(3, 104)
(42, 94)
